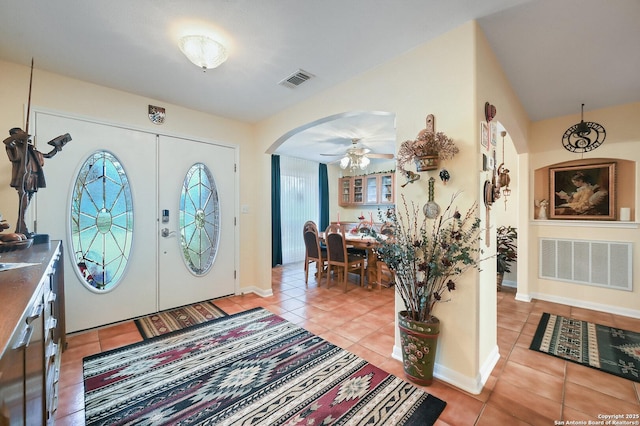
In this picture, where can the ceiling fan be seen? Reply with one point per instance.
(357, 156)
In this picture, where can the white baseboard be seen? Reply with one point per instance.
(523, 297)
(510, 283)
(616, 310)
(397, 353)
(259, 291)
(466, 383)
(487, 368)
(611, 309)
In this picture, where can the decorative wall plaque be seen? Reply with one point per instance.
(156, 114)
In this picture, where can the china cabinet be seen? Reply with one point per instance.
(372, 189)
(351, 190)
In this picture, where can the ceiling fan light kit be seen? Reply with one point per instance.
(354, 161)
(357, 157)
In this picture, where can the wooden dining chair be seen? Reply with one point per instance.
(338, 256)
(314, 251)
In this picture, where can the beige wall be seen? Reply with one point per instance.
(436, 78)
(492, 86)
(621, 143)
(78, 98)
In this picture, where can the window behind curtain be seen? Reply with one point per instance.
(299, 201)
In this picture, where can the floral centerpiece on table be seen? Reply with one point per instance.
(428, 255)
(426, 144)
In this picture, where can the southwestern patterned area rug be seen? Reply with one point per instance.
(250, 368)
(176, 319)
(605, 348)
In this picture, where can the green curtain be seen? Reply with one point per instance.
(323, 180)
(276, 223)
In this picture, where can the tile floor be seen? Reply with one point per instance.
(525, 388)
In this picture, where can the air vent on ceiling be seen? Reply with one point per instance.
(296, 79)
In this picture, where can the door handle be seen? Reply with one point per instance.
(166, 233)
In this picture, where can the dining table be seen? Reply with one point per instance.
(363, 242)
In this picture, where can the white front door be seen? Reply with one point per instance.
(135, 294)
(156, 276)
(196, 263)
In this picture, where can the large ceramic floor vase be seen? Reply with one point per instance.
(418, 341)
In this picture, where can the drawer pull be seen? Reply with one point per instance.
(51, 324)
(35, 313)
(52, 350)
(25, 338)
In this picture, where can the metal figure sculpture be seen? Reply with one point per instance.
(27, 175)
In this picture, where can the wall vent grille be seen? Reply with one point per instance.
(599, 263)
(296, 79)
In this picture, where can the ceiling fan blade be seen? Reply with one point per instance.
(380, 155)
(357, 148)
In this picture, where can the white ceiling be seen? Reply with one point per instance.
(557, 53)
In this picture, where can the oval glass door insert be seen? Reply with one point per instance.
(101, 221)
(199, 219)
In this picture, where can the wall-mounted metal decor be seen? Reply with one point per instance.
(584, 136)
(489, 111)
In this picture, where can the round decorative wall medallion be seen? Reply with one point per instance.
(583, 137)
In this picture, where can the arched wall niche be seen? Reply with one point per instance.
(625, 182)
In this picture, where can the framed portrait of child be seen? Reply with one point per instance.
(585, 192)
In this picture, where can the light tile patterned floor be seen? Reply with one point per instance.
(525, 388)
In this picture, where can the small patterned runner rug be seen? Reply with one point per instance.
(605, 348)
(250, 368)
(177, 319)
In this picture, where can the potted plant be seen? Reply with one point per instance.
(426, 257)
(506, 251)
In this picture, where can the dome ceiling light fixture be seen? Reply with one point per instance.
(584, 136)
(203, 51)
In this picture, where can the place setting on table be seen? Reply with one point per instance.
(358, 236)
